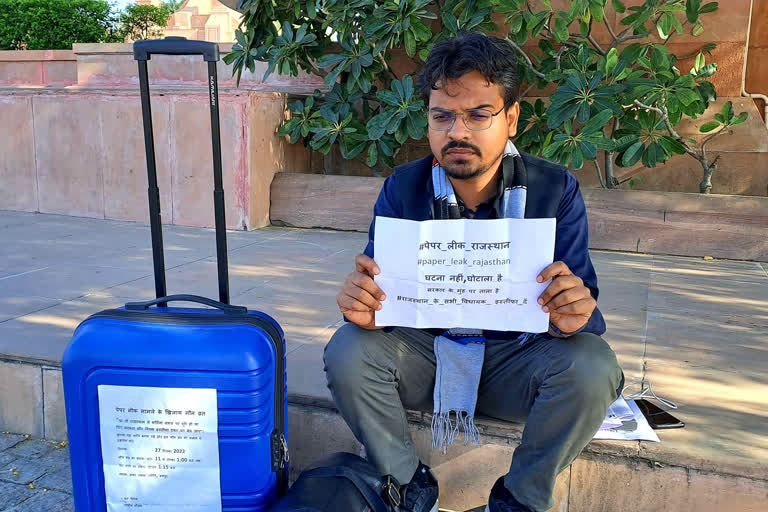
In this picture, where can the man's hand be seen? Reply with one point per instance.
(360, 297)
(566, 299)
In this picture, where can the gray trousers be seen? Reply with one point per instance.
(561, 388)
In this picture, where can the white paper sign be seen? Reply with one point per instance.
(160, 448)
(467, 273)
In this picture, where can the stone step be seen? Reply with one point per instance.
(721, 226)
(608, 476)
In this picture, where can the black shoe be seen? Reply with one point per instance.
(420, 494)
(501, 500)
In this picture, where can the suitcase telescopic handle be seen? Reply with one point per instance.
(210, 52)
(175, 45)
(227, 308)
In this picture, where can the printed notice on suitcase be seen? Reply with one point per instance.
(478, 274)
(160, 449)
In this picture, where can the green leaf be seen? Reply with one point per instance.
(561, 30)
(311, 9)
(288, 127)
(708, 127)
(575, 10)
(588, 149)
(618, 5)
(577, 159)
(287, 31)
(611, 59)
(401, 134)
(583, 28)
(666, 25)
(671, 145)
(373, 155)
(692, 10)
(651, 155)
(240, 38)
(583, 114)
(727, 110)
(414, 131)
(388, 97)
(301, 33)
(597, 122)
(378, 124)
(707, 71)
(552, 149)
(632, 52)
(410, 43)
(516, 24)
(330, 59)
(710, 7)
(698, 29)
(407, 87)
(659, 59)
(739, 119)
(633, 154)
(686, 96)
(698, 62)
(384, 146)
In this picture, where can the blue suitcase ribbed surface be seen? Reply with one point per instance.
(241, 356)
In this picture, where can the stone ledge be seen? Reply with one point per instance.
(36, 55)
(500, 432)
(676, 223)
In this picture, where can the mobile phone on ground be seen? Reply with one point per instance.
(657, 417)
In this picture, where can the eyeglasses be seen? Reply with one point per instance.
(475, 119)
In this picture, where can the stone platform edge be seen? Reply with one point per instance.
(674, 223)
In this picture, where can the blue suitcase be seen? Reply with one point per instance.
(149, 354)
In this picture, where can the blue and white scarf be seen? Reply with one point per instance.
(460, 352)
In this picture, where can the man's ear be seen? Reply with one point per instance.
(513, 114)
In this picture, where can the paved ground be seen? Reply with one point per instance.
(698, 329)
(34, 475)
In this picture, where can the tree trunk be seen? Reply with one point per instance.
(610, 178)
(705, 187)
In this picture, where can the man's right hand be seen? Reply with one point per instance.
(360, 297)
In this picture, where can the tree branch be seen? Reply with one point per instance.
(609, 27)
(665, 117)
(599, 172)
(527, 59)
(593, 41)
(527, 90)
(383, 61)
(712, 136)
(623, 37)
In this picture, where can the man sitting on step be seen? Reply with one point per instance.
(561, 382)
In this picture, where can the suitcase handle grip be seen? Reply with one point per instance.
(175, 45)
(227, 308)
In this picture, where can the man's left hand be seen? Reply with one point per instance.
(566, 299)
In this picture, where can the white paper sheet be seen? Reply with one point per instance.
(633, 428)
(463, 273)
(160, 449)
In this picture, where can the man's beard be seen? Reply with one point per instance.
(464, 171)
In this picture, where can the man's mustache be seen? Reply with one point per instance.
(457, 144)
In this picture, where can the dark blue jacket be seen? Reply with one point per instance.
(552, 192)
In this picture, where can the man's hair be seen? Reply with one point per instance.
(492, 56)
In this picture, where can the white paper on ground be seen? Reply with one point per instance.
(634, 428)
(617, 412)
(467, 273)
(160, 449)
